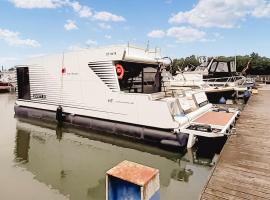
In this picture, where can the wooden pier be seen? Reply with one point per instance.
(243, 169)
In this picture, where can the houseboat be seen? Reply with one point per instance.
(117, 89)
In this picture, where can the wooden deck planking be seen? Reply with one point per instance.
(243, 169)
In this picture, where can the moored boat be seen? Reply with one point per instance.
(116, 89)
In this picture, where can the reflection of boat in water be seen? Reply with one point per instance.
(76, 166)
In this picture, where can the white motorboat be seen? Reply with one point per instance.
(218, 79)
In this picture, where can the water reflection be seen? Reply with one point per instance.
(76, 165)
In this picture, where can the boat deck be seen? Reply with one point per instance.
(215, 118)
(243, 170)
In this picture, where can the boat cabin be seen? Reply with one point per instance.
(219, 69)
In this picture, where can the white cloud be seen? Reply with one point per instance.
(182, 34)
(83, 11)
(107, 16)
(13, 39)
(29, 4)
(91, 43)
(222, 13)
(70, 25)
(262, 11)
(156, 34)
(104, 26)
(108, 36)
(186, 34)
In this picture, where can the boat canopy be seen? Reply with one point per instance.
(218, 68)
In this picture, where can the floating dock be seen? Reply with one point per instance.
(243, 169)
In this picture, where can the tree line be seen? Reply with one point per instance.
(258, 65)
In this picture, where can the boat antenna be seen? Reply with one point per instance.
(147, 46)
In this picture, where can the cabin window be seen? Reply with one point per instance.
(140, 78)
(23, 83)
(213, 67)
(222, 67)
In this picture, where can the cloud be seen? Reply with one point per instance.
(91, 43)
(156, 34)
(262, 11)
(182, 34)
(186, 34)
(29, 4)
(70, 25)
(108, 36)
(107, 16)
(104, 26)
(13, 39)
(82, 10)
(222, 13)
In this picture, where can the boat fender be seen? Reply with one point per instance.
(119, 71)
(246, 96)
(182, 139)
(222, 100)
(59, 114)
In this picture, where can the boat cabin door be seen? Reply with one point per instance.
(23, 83)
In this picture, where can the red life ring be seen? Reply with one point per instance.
(119, 71)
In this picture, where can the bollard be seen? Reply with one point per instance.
(132, 181)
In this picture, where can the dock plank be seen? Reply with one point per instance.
(243, 169)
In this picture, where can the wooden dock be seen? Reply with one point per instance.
(243, 169)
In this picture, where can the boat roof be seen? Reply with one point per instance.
(128, 53)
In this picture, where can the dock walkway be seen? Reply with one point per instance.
(243, 170)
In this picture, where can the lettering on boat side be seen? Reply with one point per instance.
(39, 96)
(72, 73)
(125, 102)
(110, 53)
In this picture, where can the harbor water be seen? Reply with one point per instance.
(42, 161)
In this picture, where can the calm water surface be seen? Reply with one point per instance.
(45, 162)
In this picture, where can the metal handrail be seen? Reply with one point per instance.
(226, 79)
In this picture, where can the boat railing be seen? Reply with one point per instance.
(223, 81)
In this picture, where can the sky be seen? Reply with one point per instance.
(30, 28)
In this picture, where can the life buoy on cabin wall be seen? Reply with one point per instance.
(119, 71)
